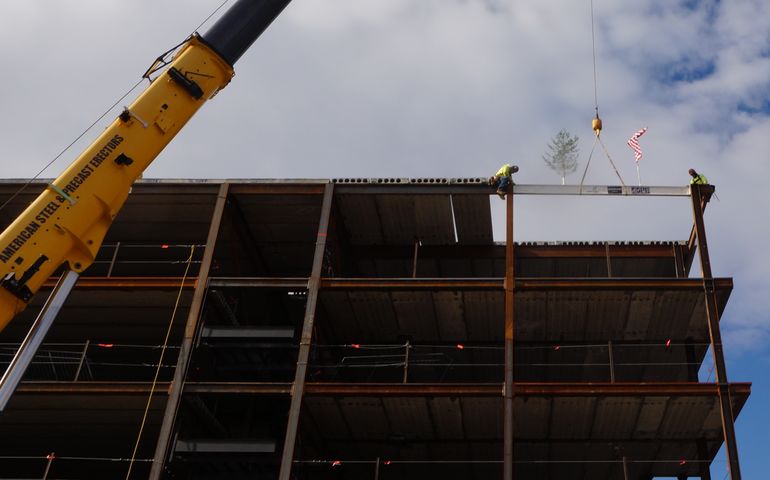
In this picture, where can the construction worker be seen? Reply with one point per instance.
(697, 178)
(502, 178)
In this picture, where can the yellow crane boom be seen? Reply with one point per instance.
(68, 221)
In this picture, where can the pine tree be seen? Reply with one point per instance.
(562, 154)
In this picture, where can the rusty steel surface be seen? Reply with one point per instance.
(403, 283)
(619, 284)
(522, 283)
(740, 390)
(411, 283)
(117, 283)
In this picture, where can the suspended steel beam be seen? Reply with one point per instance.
(611, 190)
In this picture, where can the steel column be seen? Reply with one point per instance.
(313, 285)
(712, 316)
(185, 351)
(509, 331)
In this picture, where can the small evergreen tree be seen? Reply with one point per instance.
(562, 154)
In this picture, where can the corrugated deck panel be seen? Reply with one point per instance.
(415, 315)
(473, 219)
(450, 312)
(375, 315)
(448, 417)
(361, 218)
(397, 219)
(433, 219)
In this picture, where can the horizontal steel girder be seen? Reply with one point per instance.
(741, 389)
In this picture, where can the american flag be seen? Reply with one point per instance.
(633, 142)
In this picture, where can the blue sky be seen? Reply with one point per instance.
(406, 88)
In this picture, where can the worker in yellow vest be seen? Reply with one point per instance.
(697, 178)
(502, 178)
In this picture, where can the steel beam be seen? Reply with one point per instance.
(521, 283)
(224, 447)
(239, 388)
(125, 283)
(275, 333)
(183, 360)
(739, 391)
(700, 194)
(610, 190)
(677, 284)
(258, 282)
(287, 456)
(411, 283)
(555, 283)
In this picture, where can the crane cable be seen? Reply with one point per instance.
(596, 123)
(48, 165)
(160, 361)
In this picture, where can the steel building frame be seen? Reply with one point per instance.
(509, 285)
